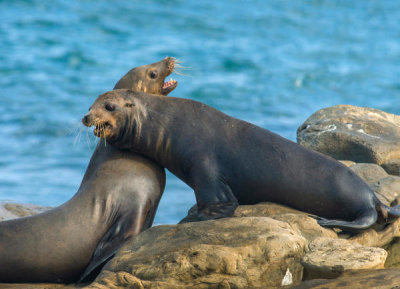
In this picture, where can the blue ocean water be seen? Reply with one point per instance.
(272, 63)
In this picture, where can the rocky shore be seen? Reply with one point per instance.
(268, 245)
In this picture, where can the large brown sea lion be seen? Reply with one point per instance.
(229, 161)
(116, 200)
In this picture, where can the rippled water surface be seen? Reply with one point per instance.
(272, 63)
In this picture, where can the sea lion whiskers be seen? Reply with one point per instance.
(87, 138)
(103, 133)
(178, 68)
(78, 135)
(77, 131)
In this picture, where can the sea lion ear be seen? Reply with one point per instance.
(129, 104)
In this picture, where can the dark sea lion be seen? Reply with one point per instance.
(117, 199)
(229, 161)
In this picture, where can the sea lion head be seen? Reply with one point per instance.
(150, 78)
(116, 116)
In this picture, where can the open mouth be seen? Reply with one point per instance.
(102, 129)
(169, 86)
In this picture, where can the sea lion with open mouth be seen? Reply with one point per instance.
(117, 199)
(228, 161)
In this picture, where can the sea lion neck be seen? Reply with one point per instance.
(151, 132)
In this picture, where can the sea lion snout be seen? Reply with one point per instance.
(104, 115)
(170, 63)
(86, 119)
(89, 119)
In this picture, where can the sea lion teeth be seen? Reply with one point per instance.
(169, 83)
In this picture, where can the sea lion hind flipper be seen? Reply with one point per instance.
(315, 217)
(113, 239)
(388, 214)
(364, 221)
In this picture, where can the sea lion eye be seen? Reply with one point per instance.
(153, 74)
(110, 107)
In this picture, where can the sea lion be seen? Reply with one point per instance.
(57, 245)
(117, 199)
(229, 161)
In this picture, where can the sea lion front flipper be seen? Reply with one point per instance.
(217, 211)
(116, 236)
(215, 201)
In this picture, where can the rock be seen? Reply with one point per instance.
(370, 173)
(13, 210)
(359, 134)
(255, 252)
(392, 167)
(329, 258)
(264, 209)
(393, 259)
(347, 163)
(299, 221)
(382, 279)
(305, 226)
(381, 238)
(388, 188)
(37, 286)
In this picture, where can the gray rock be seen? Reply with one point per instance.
(370, 173)
(37, 286)
(14, 210)
(392, 167)
(388, 189)
(353, 133)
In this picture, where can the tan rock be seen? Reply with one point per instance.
(347, 163)
(306, 226)
(382, 279)
(227, 253)
(329, 258)
(360, 134)
(393, 259)
(381, 238)
(265, 209)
